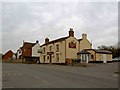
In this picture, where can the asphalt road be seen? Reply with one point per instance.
(57, 76)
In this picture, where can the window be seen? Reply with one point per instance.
(57, 57)
(43, 50)
(44, 58)
(57, 48)
(47, 57)
(50, 48)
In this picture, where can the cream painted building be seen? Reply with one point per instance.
(100, 55)
(94, 55)
(62, 49)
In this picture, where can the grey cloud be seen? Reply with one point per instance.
(31, 21)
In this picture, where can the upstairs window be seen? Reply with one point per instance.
(43, 50)
(50, 48)
(57, 48)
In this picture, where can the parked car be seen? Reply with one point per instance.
(117, 59)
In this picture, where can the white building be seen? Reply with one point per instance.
(35, 49)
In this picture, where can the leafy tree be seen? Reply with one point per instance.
(113, 49)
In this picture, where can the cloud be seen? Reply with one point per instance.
(32, 21)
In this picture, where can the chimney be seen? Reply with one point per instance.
(37, 41)
(46, 40)
(71, 32)
(84, 36)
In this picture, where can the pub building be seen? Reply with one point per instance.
(64, 49)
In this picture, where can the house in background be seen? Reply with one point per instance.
(8, 55)
(63, 49)
(29, 52)
(35, 50)
(19, 53)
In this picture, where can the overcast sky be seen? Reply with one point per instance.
(31, 21)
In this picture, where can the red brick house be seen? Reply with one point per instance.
(8, 55)
(27, 49)
(27, 52)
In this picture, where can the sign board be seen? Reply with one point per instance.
(72, 45)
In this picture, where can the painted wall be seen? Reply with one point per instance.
(35, 50)
(71, 53)
(92, 55)
(61, 53)
(84, 43)
(99, 56)
(19, 52)
(65, 52)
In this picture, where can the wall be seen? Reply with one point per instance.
(35, 50)
(27, 50)
(92, 53)
(84, 44)
(99, 56)
(8, 55)
(71, 53)
(61, 52)
(19, 52)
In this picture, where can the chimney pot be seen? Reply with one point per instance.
(84, 36)
(37, 41)
(71, 32)
(46, 40)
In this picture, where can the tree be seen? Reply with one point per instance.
(113, 49)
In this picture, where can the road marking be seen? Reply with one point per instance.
(115, 75)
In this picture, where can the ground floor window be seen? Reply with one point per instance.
(57, 57)
(85, 58)
(44, 58)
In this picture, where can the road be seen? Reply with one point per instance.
(58, 76)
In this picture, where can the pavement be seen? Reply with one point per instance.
(59, 76)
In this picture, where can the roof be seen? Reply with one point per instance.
(83, 52)
(101, 51)
(79, 39)
(57, 40)
(10, 51)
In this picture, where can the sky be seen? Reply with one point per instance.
(31, 21)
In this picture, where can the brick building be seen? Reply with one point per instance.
(8, 55)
